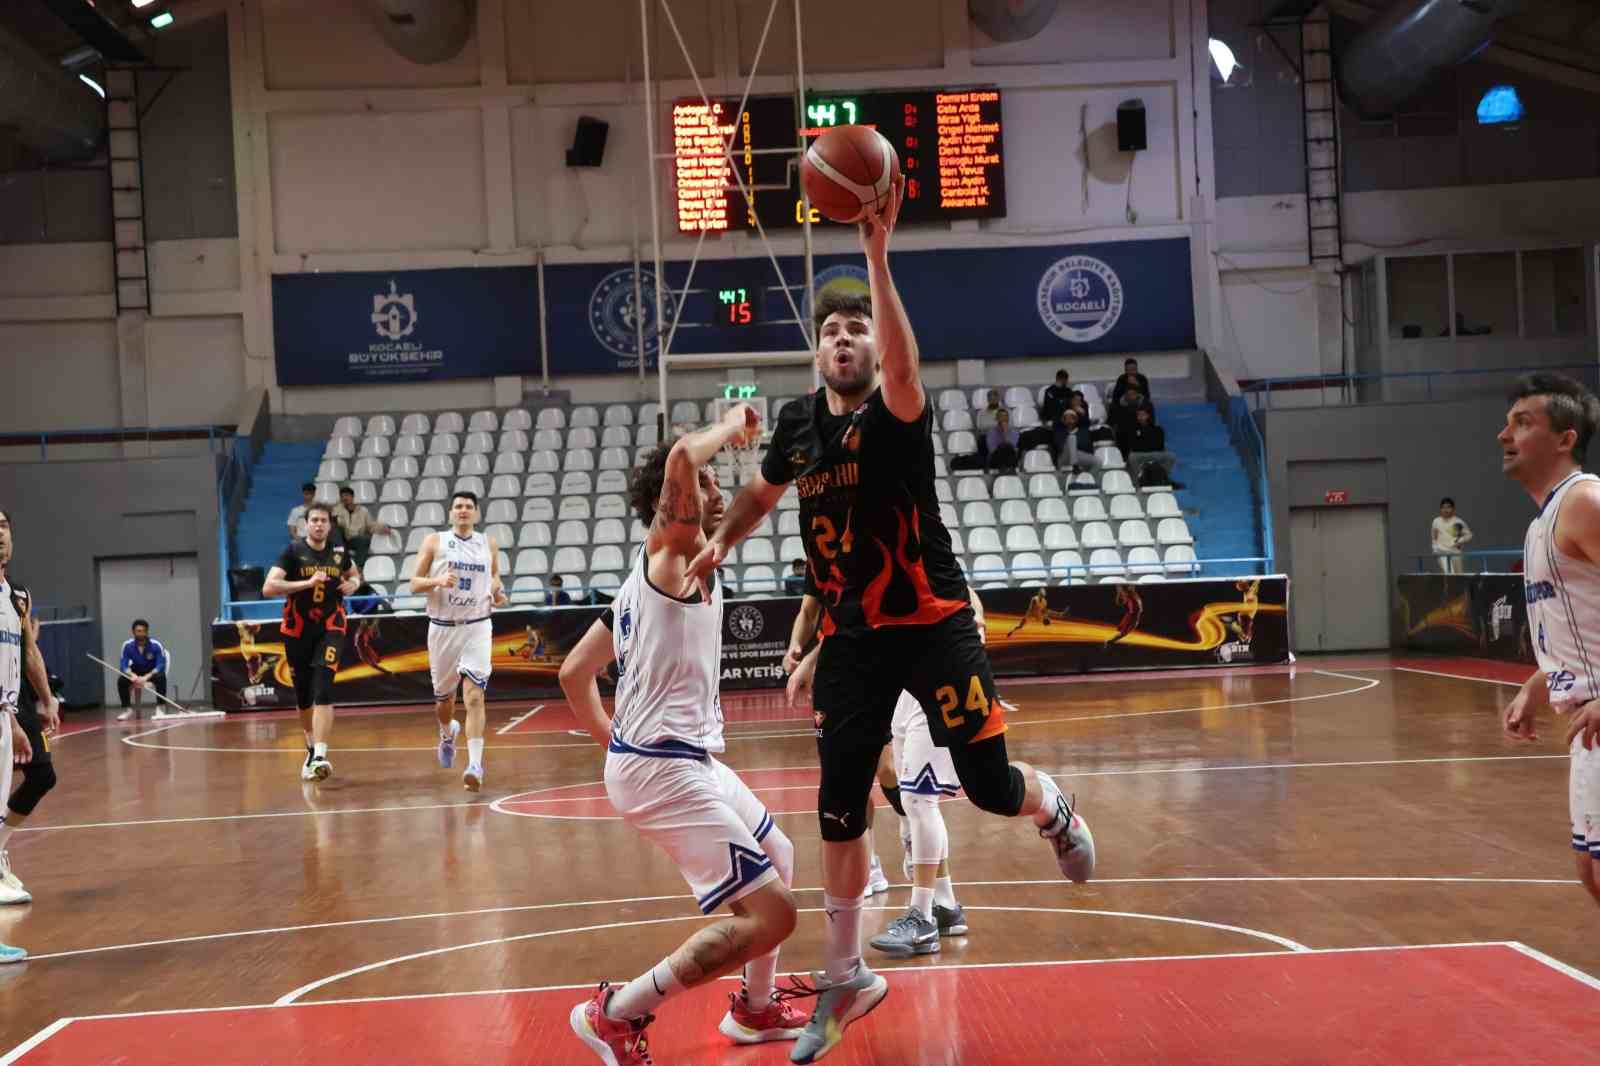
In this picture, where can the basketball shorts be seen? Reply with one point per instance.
(1583, 797)
(28, 718)
(459, 650)
(313, 659)
(923, 767)
(702, 815)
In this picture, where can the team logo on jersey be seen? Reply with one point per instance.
(614, 320)
(1079, 298)
(745, 622)
(798, 459)
(394, 315)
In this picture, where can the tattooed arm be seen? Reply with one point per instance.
(676, 529)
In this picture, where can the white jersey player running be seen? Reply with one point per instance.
(665, 633)
(1547, 434)
(459, 569)
(15, 635)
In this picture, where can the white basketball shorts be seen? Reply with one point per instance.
(924, 767)
(457, 651)
(1583, 796)
(702, 815)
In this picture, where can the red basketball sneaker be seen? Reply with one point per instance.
(778, 1020)
(614, 1042)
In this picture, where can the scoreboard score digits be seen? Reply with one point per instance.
(950, 145)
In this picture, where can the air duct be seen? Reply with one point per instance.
(51, 112)
(1407, 45)
(424, 31)
(1012, 20)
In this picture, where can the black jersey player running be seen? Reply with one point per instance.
(860, 454)
(315, 575)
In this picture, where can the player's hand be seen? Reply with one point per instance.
(51, 714)
(318, 578)
(1585, 723)
(1519, 719)
(745, 420)
(877, 225)
(792, 657)
(21, 748)
(138, 683)
(448, 581)
(500, 597)
(348, 586)
(800, 682)
(702, 566)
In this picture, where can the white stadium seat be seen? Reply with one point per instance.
(348, 426)
(571, 531)
(575, 508)
(1173, 531)
(416, 423)
(1051, 509)
(1029, 567)
(685, 411)
(1018, 396)
(551, 418)
(476, 464)
(513, 440)
(972, 488)
(539, 509)
(576, 483)
(1097, 535)
(1179, 559)
(617, 437)
(983, 539)
(758, 550)
(395, 515)
(367, 470)
(531, 561)
(582, 437)
(614, 459)
(952, 400)
(607, 557)
(1104, 563)
(1125, 507)
(407, 568)
(1082, 483)
(509, 463)
(1037, 461)
(478, 443)
(502, 533)
(1144, 560)
(1008, 487)
(408, 444)
(333, 470)
(1044, 486)
(387, 544)
(534, 535)
(429, 514)
(539, 484)
(375, 447)
(432, 488)
(1015, 513)
(618, 414)
(1116, 481)
(1059, 535)
(758, 579)
(365, 491)
(340, 448)
(1088, 509)
(416, 537)
(957, 419)
(578, 459)
(1134, 533)
(948, 516)
(1162, 505)
(989, 568)
(585, 416)
(611, 481)
(789, 523)
(978, 513)
(791, 548)
(550, 440)
(483, 422)
(610, 531)
(444, 444)
(439, 466)
(1022, 538)
(611, 505)
(1067, 565)
(527, 589)
(395, 491)
(569, 559)
(405, 466)
(962, 442)
(517, 418)
(500, 511)
(471, 483)
(449, 422)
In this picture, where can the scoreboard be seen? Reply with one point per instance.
(950, 145)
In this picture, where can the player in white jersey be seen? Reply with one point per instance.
(1547, 434)
(459, 569)
(664, 630)
(16, 637)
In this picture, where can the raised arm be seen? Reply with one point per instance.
(677, 523)
(897, 344)
(578, 672)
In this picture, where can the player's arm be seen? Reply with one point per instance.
(1521, 714)
(804, 674)
(897, 344)
(38, 676)
(676, 526)
(578, 673)
(977, 613)
(278, 583)
(805, 627)
(352, 579)
(497, 587)
(753, 503)
(420, 581)
(1579, 536)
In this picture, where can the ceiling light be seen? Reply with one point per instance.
(161, 21)
(1222, 56)
(143, 3)
(1500, 106)
(91, 83)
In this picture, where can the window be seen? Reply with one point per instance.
(1553, 293)
(1419, 297)
(1486, 294)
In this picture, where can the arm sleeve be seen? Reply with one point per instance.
(608, 618)
(126, 664)
(162, 660)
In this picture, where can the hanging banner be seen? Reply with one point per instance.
(1483, 615)
(964, 303)
(405, 325)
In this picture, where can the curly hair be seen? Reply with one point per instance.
(644, 483)
(832, 301)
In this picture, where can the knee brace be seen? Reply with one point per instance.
(930, 840)
(37, 779)
(841, 816)
(990, 781)
(780, 849)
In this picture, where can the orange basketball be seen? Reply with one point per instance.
(848, 170)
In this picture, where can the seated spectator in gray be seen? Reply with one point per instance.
(1003, 442)
(297, 515)
(1145, 443)
(985, 419)
(357, 524)
(1077, 448)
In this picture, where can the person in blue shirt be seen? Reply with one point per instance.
(144, 659)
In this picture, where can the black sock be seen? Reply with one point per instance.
(893, 796)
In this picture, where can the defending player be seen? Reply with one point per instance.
(1547, 434)
(459, 569)
(1132, 605)
(15, 640)
(860, 453)
(662, 776)
(313, 627)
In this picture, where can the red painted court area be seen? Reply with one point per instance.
(1468, 1004)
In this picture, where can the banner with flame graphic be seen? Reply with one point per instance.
(1463, 614)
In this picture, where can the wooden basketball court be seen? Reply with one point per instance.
(1340, 861)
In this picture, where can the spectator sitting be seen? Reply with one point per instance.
(1056, 399)
(1145, 443)
(297, 515)
(794, 583)
(1076, 447)
(985, 419)
(1003, 444)
(555, 595)
(1120, 415)
(357, 524)
(1130, 379)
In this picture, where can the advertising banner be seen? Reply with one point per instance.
(1483, 615)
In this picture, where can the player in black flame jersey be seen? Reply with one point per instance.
(860, 454)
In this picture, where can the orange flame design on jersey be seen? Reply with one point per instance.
(930, 608)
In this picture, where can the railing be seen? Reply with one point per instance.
(216, 437)
(1348, 386)
(1487, 561)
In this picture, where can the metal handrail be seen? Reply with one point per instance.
(1263, 387)
(213, 434)
(1429, 563)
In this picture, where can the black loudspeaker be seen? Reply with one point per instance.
(1130, 126)
(589, 143)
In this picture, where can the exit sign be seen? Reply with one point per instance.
(1336, 496)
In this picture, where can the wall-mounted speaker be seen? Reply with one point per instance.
(1130, 126)
(588, 143)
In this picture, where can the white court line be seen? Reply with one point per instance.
(518, 720)
(1458, 677)
(290, 997)
(1554, 963)
(1301, 765)
(248, 817)
(36, 1039)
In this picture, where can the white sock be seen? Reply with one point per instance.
(842, 947)
(1046, 814)
(5, 834)
(922, 901)
(944, 892)
(759, 975)
(644, 993)
(319, 751)
(475, 751)
(874, 866)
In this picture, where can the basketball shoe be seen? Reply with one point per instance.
(447, 744)
(952, 921)
(778, 1020)
(317, 768)
(472, 780)
(615, 1043)
(876, 882)
(10, 954)
(11, 889)
(838, 1005)
(910, 934)
(1073, 843)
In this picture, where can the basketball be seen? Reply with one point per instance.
(849, 170)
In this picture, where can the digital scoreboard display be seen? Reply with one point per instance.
(950, 145)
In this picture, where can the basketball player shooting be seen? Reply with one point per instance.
(860, 455)
(664, 630)
(1546, 436)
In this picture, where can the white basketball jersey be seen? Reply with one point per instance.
(1563, 597)
(669, 665)
(10, 651)
(469, 560)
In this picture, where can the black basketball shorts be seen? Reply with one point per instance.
(313, 661)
